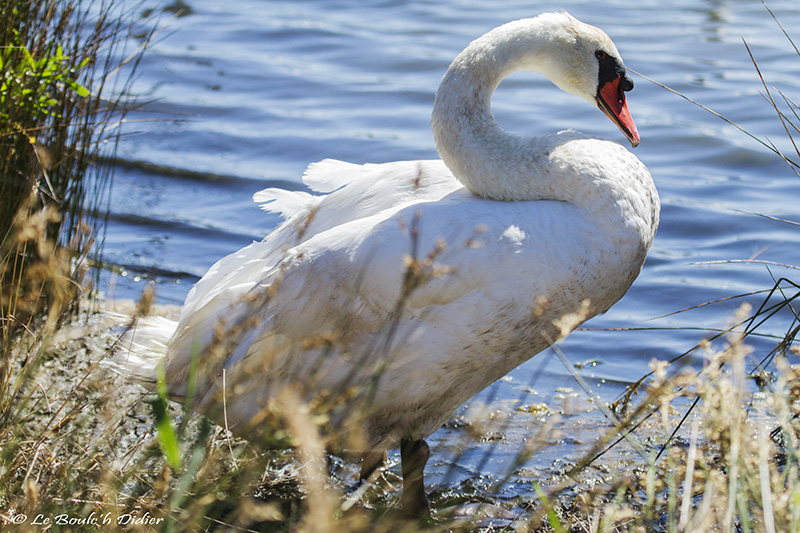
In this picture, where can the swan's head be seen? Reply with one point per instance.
(582, 60)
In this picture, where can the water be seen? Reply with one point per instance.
(244, 94)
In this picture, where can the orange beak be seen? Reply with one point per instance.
(611, 101)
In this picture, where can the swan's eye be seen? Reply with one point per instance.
(601, 55)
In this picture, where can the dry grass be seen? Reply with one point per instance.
(81, 446)
(733, 467)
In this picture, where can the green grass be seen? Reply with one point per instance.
(61, 100)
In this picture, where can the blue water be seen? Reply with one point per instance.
(242, 95)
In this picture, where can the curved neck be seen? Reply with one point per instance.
(489, 161)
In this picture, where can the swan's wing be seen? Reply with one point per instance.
(491, 280)
(482, 273)
(322, 177)
(330, 174)
(283, 202)
(346, 191)
(382, 187)
(363, 191)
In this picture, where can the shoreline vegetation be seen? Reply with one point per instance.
(81, 450)
(63, 96)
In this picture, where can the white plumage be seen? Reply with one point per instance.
(504, 236)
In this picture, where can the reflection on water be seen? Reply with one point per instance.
(717, 19)
(244, 94)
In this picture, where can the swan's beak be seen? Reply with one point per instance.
(611, 101)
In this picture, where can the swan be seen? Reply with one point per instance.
(398, 291)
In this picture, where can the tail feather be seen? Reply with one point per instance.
(143, 347)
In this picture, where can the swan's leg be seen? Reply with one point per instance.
(414, 454)
(371, 461)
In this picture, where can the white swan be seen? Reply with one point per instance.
(422, 282)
